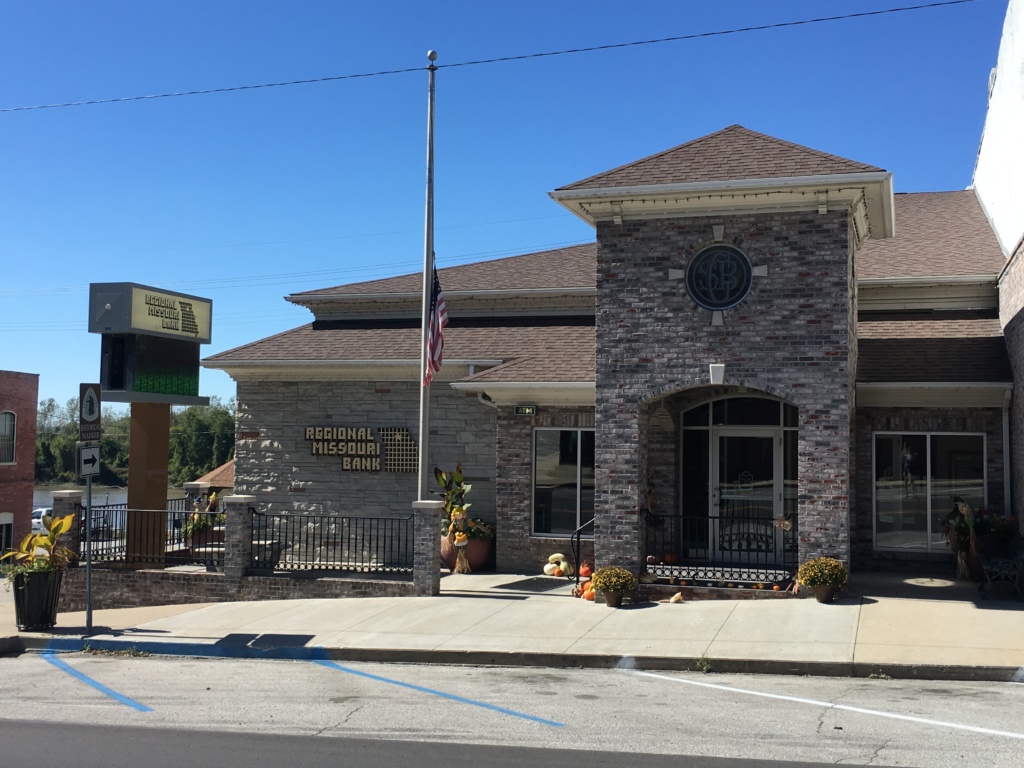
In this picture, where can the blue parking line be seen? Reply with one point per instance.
(442, 694)
(60, 664)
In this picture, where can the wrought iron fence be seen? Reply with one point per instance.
(122, 537)
(304, 542)
(741, 543)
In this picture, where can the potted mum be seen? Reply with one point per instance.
(825, 575)
(614, 582)
(465, 540)
(35, 569)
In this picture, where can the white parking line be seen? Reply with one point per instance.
(829, 705)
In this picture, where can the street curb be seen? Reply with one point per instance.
(883, 671)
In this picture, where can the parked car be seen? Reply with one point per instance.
(37, 518)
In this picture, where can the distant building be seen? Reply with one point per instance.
(19, 393)
(766, 355)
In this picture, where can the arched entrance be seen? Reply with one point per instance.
(737, 493)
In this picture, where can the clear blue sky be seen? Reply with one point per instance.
(248, 196)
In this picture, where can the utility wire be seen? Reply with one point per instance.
(501, 59)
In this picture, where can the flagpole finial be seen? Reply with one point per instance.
(432, 55)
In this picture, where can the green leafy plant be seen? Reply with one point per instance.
(40, 551)
(822, 572)
(612, 578)
(703, 664)
(452, 488)
(200, 521)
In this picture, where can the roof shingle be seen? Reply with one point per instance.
(731, 154)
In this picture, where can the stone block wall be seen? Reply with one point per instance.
(275, 462)
(19, 394)
(790, 337)
(518, 549)
(988, 421)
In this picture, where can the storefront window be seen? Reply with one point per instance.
(918, 477)
(563, 486)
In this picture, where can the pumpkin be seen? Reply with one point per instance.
(585, 571)
(549, 569)
(586, 585)
(558, 572)
(588, 595)
(776, 587)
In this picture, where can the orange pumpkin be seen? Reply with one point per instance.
(588, 595)
(776, 587)
(586, 585)
(585, 571)
(558, 572)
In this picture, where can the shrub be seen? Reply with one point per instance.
(822, 572)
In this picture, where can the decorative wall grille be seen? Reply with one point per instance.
(401, 452)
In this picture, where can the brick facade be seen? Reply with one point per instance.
(274, 461)
(518, 548)
(790, 338)
(987, 421)
(19, 394)
(1011, 314)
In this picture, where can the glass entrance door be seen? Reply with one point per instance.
(746, 496)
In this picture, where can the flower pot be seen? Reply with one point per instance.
(477, 552)
(35, 599)
(613, 599)
(825, 594)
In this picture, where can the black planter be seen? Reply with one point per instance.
(35, 599)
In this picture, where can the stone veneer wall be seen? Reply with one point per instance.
(871, 420)
(518, 550)
(790, 337)
(274, 462)
(1011, 315)
(131, 588)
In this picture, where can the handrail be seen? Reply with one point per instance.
(575, 544)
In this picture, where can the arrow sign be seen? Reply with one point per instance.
(88, 460)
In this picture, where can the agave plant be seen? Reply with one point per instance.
(41, 551)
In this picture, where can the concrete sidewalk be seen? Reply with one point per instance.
(889, 624)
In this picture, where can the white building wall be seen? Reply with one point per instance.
(999, 172)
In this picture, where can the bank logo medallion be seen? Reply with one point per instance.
(719, 277)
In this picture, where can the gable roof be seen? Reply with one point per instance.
(731, 154)
(937, 234)
(566, 268)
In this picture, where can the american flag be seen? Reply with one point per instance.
(435, 338)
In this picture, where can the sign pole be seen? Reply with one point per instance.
(88, 555)
(89, 432)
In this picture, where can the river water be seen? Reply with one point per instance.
(101, 494)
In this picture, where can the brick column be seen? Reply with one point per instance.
(426, 559)
(237, 536)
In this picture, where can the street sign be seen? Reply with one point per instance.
(88, 459)
(89, 413)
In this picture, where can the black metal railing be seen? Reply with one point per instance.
(332, 543)
(122, 537)
(576, 545)
(743, 543)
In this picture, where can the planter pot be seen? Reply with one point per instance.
(35, 599)
(613, 599)
(825, 594)
(477, 552)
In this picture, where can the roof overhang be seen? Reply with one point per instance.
(868, 196)
(993, 394)
(547, 393)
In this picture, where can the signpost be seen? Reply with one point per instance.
(89, 432)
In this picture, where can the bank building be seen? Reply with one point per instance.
(766, 354)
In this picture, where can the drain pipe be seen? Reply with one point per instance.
(480, 395)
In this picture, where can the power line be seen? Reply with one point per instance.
(501, 59)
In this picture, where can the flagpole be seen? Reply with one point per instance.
(428, 286)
